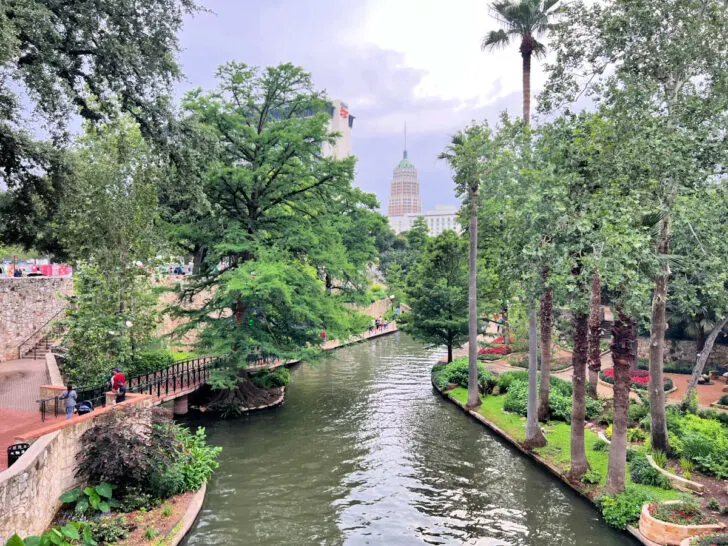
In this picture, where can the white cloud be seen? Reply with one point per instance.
(442, 41)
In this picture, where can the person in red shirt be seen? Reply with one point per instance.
(118, 385)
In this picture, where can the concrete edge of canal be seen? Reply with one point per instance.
(184, 526)
(543, 463)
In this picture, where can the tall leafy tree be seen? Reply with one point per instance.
(284, 209)
(465, 156)
(93, 58)
(438, 291)
(109, 226)
(527, 21)
(661, 67)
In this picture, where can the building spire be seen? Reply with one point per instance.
(405, 141)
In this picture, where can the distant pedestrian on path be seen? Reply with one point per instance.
(379, 323)
(70, 396)
(118, 385)
(372, 326)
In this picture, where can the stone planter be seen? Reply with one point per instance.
(686, 542)
(671, 534)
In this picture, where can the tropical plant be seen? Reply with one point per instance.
(98, 498)
(622, 509)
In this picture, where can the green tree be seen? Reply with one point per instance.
(465, 156)
(527, 20)
(437, 292)
(108, 224)
(661, 67)
(93, 58)
(288, 217)
(699, 289)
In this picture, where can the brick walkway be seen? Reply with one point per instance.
(20, 382)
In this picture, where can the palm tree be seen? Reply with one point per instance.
(464, 154)
(527, 20)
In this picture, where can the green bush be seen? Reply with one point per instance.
(559, 400)
(600, 445)
(643, 472)
(723, 400)
(456, 372)
(98, 498)
(271, 379)
(516, 400)
(135, 498)
(107, 529)
(148, 362)
(506, 378)
(197, 460)
(637, 411)
(636, 435)
(685, 368)
(592, 476)
(623, 509)
(721, 417)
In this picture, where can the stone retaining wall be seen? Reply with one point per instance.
(29, 489)
(683, 351)
(26, 304)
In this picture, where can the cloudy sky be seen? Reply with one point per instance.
(392, 61)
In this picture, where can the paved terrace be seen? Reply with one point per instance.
(21, 382)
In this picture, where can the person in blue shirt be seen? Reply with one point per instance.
(70, 396)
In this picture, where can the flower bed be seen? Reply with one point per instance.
(679, 513)
(638, 379)
(500, 350)
(686, 522)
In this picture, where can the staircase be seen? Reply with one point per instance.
(39, 350)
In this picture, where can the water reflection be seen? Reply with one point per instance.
(363, 452)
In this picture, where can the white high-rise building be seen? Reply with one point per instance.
(341, 122)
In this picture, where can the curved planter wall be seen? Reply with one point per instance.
(671, 534)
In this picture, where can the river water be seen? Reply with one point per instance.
(364, 452)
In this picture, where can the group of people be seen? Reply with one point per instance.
(118, 387)
(378, 324)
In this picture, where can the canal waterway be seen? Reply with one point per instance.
(364, 452)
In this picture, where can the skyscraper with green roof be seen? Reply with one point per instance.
(404, 196)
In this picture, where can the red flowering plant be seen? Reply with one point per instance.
(638, 379)
(681, 513)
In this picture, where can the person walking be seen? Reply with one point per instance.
(70, 396)
(118, 385)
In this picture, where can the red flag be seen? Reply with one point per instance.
(344, 113)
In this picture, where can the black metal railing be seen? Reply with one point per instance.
(178, 377)
(50, 331)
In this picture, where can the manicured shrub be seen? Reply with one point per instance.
(148, 362)
(623, 509)
(723, 400)
(643, 472)
(457, 372)
(507, 378)
(600, 445)
(635, 435)
(500, 350)
(271, 379)
(560, 402)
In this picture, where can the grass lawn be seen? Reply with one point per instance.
(558, 450)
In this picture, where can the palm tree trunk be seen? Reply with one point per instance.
(547, 304)
(534, 436)
(526, 87)
(473, 394)
(658, 426)
(579, 464)
(704, 355)
(623, 334)
(595, 322)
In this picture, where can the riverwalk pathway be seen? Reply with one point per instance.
(20, 382)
